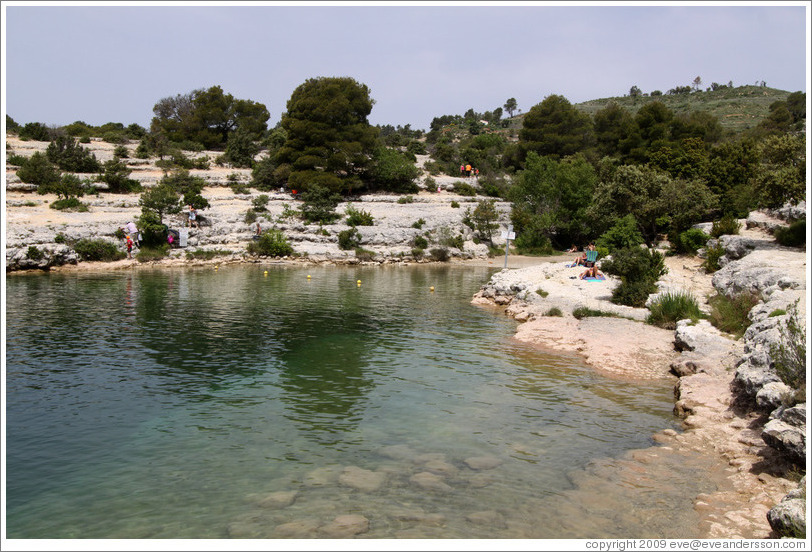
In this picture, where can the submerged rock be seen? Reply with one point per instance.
(483, 462)
(345, 526)
(430, 482)
(361, 479)
(278, 500)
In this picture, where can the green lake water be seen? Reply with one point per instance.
(171, 404)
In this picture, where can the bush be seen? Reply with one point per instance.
(117, 176)
(68, 155)
(121, 152)
(419, 223)
(60, 238)
(730, 314)
(34, 253)
(260, 202)
(689, 242)
(206, 254)
(792, 236)
(405, 199)
(364, 254)
(440, 254)
(320, 204)
(358, 218)
(727, 225)
(69, 204)
(420, 242)
(272, 243)
(712, 256)
(17, 160)
(668, 308)
(623, 234)
(98, 250)
(638, 269)
(455, 204)
(586, 312)
(349, 239)
(463, 189)
(789, 354)
(38, 170)
(554, 311)
(152, 253)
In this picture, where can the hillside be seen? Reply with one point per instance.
(737, 109)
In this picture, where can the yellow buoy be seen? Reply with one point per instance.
(266, 273)
(431, 288)
(359, 282)
(308, 276)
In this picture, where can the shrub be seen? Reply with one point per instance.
(463, 189)
(69, 204)
(405, 199)
(623, 234)
(727, 225)
(320, 204)
(420, 242)
(117, 176)
(121, 152)
(349, 239)
(17, 160)
(792, 236)
(455, 204)
(542, 293)
(554, 311)
(419, 223)
(789, 354)
(272, 243)
(668, 308)
(68, 155)
(440, 254)
(152, 253)
(206, 254)
(638, 269)
(364, 254)
(586, 312)
(417, 252)
(60, 238)
(38, 170)
(689, 242)
(712, 256)
(358, 218)
(97, 250)
(260, 202)
(730, 314)
(777, 312)
(250, 216)
(34, 253)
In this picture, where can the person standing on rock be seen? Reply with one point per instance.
(129, 247)
(192, 217)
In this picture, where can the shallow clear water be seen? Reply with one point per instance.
(171, 404)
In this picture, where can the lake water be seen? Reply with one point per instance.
(186, 403)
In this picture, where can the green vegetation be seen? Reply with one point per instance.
(639, 269)
(554, 311)
(98, 250)
(356, 217)
(689, 242)
(789, 355)
(34, 253)
(320, 205)
(207, 254)
(792, 236)
(152, 253)
(349, 239)
(730, 314)
(420, 242)
(483, 219)
(712, 256)
(329, 141)
(541, 293)
(586, 312)
(440, 254)
(669, 308)
(69, 204)
(272, 243)
(727, 225)
(68, 155)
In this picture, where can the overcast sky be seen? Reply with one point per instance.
(99, 63)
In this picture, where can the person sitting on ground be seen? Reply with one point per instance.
(572, 249)
(590, 262)
(580, 260)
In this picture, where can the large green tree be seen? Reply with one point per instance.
(329, 141)
(208, 116)
(550, 201)
(555, 128)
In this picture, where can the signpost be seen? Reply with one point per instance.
(508, 235)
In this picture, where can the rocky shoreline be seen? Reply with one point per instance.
(727, 394)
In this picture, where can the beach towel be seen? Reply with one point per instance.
(594, 279)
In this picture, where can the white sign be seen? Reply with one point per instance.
(508, 235)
